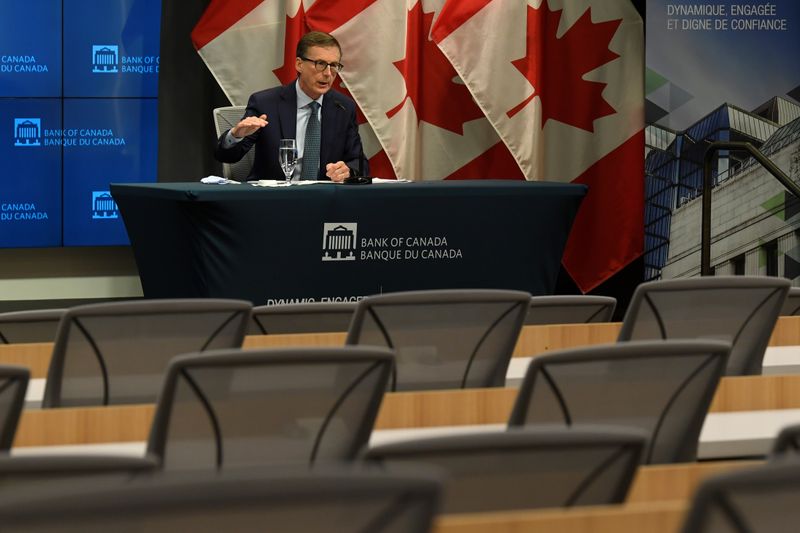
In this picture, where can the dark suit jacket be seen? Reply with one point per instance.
(340, 140)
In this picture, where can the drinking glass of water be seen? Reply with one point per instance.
(287, 155)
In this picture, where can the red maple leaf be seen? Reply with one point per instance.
(295, 27)
(430, 79)
(556, 66)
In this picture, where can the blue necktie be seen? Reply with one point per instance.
(311, 146)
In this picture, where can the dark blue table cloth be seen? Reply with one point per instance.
(329, 242)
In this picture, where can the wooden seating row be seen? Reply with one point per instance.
(658, 498)
(399, 410)
(532, 341)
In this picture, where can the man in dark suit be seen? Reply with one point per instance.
(286, 113)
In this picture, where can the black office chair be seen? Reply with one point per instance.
(661, 387)
(22, 470)
(787, 441)
(791, 307)
(13, 386)
(444, 338)
(526, 469)
(30, 326)
(741, 310)
(752, 500)
(570, 309)
(231, 408)
(117, 353)
(247, 500)
(301, 318)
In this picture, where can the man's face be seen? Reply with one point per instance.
(313, 82)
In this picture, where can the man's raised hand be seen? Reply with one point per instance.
(249, 125)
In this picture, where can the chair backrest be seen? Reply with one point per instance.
(224, 119)
(570, 309)
(30, 326)
(661, 387)
(443, 338)
(526, 469)
(317, 502)
(787, 441)
(19, 470)
(791, 307)
(301, 318)
(259, 407)
(117, 353)
(741, 310)
(13, 385)
(757, 499)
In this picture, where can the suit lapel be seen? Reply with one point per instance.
(287, 112)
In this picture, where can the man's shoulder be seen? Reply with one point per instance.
(267, 94)
(340, 98)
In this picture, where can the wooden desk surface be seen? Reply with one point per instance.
(532, 341)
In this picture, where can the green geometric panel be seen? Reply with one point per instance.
(776, 204)
(652, 81)
(762, 254)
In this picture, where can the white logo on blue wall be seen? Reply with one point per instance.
(339, 241)
(105, 58)
(103, 205)
(27, 132)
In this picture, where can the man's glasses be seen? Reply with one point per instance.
(321, 65)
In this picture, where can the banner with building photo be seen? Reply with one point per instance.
(721, 71)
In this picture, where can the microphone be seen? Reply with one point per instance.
(360, 178)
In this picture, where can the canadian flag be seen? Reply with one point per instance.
(562, 83)
(422, 113)
(249, 45)
(459, 89)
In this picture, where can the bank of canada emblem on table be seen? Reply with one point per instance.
(105, 58)
(103, 205)
(339, 241)
(27, 132)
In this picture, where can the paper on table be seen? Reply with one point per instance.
(386, 180)
(217, 180)
(281, 183)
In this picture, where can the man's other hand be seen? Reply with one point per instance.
(337, 171)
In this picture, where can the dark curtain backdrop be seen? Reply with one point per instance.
(186, 95)
(640, 6)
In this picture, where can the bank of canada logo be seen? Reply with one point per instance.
(27, 132)
(103, 205)
(339, 241)
(105, 58)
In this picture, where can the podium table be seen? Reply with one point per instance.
(331, 242)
